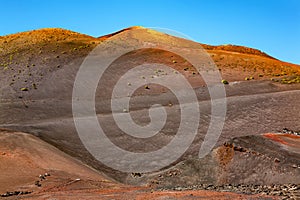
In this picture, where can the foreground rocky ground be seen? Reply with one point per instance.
(33, 169)
(28, 173)
(286, 191)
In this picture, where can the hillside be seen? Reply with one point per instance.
(27, 58)
(37, 75)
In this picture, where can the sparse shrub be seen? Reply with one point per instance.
(24, 89)
(225, 82)
(34, 86)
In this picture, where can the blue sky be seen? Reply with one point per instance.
(272, 26)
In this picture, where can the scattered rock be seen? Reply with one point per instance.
(37, 183)
(136, 174)
(276, 160)
(289, 191)
(8, 194)
(42, 177)
(286, 130)
(294, 166)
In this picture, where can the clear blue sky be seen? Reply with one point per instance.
(272, 26)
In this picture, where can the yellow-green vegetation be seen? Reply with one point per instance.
(24, 89)
(28, 57)
(249, 78)
(225, 82)
(290, 80)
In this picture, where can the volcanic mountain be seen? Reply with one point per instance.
(39, 68)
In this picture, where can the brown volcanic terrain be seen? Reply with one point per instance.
(24, 157)
(36, 81)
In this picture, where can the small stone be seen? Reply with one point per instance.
(41, 176)
(37, 183)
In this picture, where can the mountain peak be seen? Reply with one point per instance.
(120, 31)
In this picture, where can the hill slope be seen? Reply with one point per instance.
(39, 69)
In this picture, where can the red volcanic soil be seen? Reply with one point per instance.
(281, 138)
(287, 141)
(23, 157)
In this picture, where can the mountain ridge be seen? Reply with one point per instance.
(52, 31)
